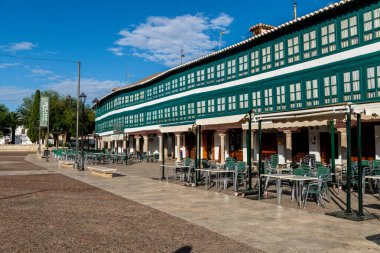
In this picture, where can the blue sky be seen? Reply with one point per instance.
(114, 39)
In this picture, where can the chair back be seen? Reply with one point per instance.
(205, 164)
(230, 165)
(274, 160)
(298, 172)
(188, 162)
(240, 166)
(307, 169)
(376, 164)
(156, 156)
(323, 171)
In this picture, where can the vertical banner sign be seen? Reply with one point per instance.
(44, 112)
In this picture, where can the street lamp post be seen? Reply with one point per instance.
(82, 98)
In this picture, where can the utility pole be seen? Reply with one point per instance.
(76, 166)
(182, 55)
(220, 38)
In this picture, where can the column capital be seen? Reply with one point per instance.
(222, 135)
(287, 132)
(342, 130)
(145, 137)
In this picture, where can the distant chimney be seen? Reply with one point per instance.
(260, 28)
(295, 9)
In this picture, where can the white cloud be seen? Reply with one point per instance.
(90, 86)
(14, 93)
(221, 22)
(116, 51)
(8, 65)
(20, 46)
(40, 72)
(160, 39)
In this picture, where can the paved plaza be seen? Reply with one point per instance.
(209, 221)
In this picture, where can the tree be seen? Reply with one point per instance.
(31, 115)
(4, 124)
(62, 118)
(14, 120)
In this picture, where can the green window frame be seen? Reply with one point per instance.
(200, 77)
(268, 99)
(243, 65)
(349, 32)
(221, 104)
(175, 85)
(351, 86)
(148, 118)
(190, 80)
(310, 44)
(243, 101)
(266, 58)
(182, 83)
(220, 72)
(256, 101)
(175, 113)
(255, 61)
(201, 108)
(167, 113)
(371, 24)
(190, 110)
(312, 96)
(373, 82)
(141, 118)
(232, 103)
(280, 98)
(160, 89)
(328, 38)
(211, 106)
(330, 89)
(279, 54)
(148, 95)
(293, 49)
(182, 112)
(210, 71)
(231, 69)
(167, 87)
(295, 95)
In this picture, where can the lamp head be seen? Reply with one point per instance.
(82, 97)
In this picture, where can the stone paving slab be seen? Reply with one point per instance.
(261, 225)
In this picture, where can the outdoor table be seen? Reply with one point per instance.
(167, 167)
(218, 173)
(182, 170)
(377, 178)
(208, 176)
(282, 170)
(278, 178)
(299, 181)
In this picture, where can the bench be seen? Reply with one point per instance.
(102, 171)
(66, 164)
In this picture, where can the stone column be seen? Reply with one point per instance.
(125, 144)
(343, 144)
(184, 145)
(245, 150)
(160, 141)
(146, 143)
(222, 147)
(288, 145)
(137, 137)
(177, 146)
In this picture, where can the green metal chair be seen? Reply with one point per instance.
(318, 188)
(240, 174)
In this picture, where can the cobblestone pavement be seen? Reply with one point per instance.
(55, 213)
(268, 227)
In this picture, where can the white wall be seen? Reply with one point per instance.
(377, 142)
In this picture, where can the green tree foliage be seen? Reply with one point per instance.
(14, 120)
(30, 113)
(4, 123)
(62, 116)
